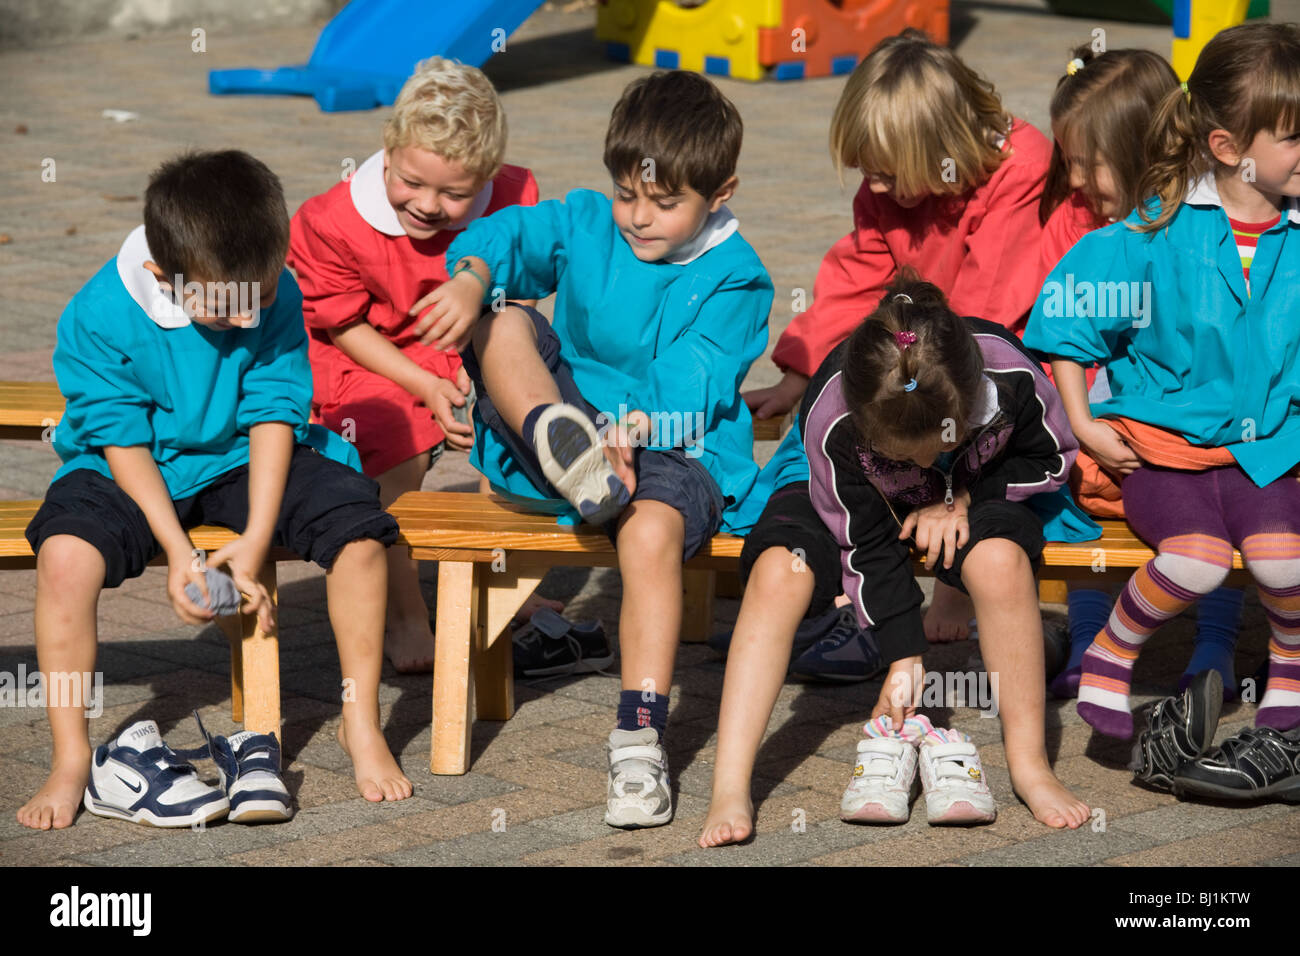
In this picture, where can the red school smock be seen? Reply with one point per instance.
(980, 248)
(355, 262)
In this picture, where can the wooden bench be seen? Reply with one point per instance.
(493, 553)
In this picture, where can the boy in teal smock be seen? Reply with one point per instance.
(188, 388)
(660, 309)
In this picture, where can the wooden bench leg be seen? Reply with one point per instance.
(503, 593)
(1052, 592)
(697, 605)
(727, 585)
(260, 653)
(232, 626)
(453, 651)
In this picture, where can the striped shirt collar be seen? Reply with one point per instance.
(1205, 192)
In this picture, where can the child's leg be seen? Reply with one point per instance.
(408, 639)
(649, 543)
(777, 596)
(998, 572)
(1183, 513)
(1274, 561)
(1218, 616)
(1089, 609)
(69, 575)
(355, 586)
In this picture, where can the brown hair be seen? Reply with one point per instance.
(914, 111)
(681, 122)
(945, 361)
(1247, 79)
(1105, 108)
(216, 216)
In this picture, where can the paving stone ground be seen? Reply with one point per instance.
(536, 790)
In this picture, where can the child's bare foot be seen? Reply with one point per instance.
(378, 776)
(949, 615)
(730, 820)
(408, 644)
(531, 606)
(1047, 798)
(55, 804)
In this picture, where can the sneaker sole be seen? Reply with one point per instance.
(260, 811)
(872, 813)
(202, 816)
(962, 812)
(1287, 790)
(587, 665)
(636, 820)
(836, 678)
(573, 460)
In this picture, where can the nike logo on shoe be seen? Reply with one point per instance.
(136, 788)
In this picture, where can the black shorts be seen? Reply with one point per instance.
(326, 504)
(790, 521)
(671, 477)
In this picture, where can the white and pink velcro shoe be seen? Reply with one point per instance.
(884, 774)
(953, 780)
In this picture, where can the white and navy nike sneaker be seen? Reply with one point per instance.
(137, 777)
(573, 459)
(249, 764)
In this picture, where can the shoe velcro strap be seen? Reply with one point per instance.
(636, 752)
(943, 751)
(890, 746)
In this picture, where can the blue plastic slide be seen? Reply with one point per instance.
(365, 54)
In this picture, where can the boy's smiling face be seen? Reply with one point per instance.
(656, 223)
(428, 192)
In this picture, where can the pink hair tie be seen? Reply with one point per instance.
(904, 339)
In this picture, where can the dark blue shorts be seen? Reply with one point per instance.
(326, 504)
(670, 477)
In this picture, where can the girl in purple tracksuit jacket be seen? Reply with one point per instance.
(922, 430)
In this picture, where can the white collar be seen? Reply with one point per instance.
(716, 230)
(371, 199)
(1205, 192)
(986, 406)
(142, 285)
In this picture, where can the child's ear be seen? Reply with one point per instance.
(725, 192)
(156, 270)
(1224, 148)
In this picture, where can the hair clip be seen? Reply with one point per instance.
(904, 339)
(1074, 66)
(1186, 91)
(903, 297)
(910, 386)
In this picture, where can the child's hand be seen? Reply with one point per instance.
(440, 397)
(621, 442)
(243, 560)
(184, 568)
(1107, 448)
(938, 529)
(780, 398)
(453, 307)
(898, 697)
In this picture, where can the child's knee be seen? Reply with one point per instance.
(652, 529)
(360, 551)
(68, 562)
(1273, 559)
(779, 571)
(1196, 562)
(996, 560)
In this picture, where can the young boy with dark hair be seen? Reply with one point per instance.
(184, 365)
(660, 309)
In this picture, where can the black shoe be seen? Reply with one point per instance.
(549, 646)
(809, 632)
(1180, 729)
(1056, 646)
(1258, 762)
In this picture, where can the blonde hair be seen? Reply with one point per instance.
(453, 110)
(1247, 79)
(914, 111)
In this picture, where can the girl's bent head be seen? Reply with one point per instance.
(1246, 83)
(918, 121)
(913, 373)
(1099, 113)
